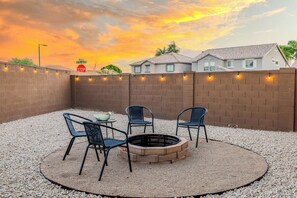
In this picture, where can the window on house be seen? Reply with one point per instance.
(170, 68)
(137, 69)
(230, 64)
(249, 64)
(147, 69)
(212, 65)
(206, 66)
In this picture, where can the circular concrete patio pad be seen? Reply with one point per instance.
(214, 167)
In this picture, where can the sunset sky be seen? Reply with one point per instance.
(121, 32)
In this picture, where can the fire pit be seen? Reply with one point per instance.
(154, 148)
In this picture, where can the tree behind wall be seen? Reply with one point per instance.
(171, 47)
(110, 69)
(22, 61)
(290, 50)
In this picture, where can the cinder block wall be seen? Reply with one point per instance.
(165, 95)
(252, 99)
(105, 93)
(244, 99)
(256, 99)
(25, 92)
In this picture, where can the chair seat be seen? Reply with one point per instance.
(189, 124)
(79, 133)
(111, 143)
(140, 122)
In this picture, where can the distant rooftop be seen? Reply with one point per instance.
(240, 52)
(165, 58)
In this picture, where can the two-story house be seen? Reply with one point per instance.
(166, 63)
(253, 57)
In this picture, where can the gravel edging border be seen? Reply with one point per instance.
(215, 193)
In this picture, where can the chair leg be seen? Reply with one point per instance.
(105, 161)
(128, 152)
(97, 153)
(176, 130)
(99, 148)
(205, 133)
(128, 128)
(83, 162)
(69, 147)
(189, 133)
(144, 128)
(103, 165)
(153, 128)
(197, 137)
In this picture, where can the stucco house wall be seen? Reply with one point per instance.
(158, 64)
(178, 68)
(264, 57)
(274, 59)
(208, 59)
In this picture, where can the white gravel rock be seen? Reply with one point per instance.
(24, 143)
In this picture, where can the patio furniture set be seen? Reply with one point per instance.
(96, 140)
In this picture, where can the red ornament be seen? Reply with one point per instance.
(81, 68)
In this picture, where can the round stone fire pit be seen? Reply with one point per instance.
(154, 148)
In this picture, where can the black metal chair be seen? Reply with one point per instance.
(196, 121)
(70, 119)
(136, 117)
(97, 142)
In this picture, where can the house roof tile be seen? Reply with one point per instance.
(165, 58)
(241, 52)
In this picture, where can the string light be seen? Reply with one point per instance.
(5, 67)
(142, 77)
(22, 68)
(185, 76)
(162, 77)
(269, 77)
(210, 77)
(120, 77)
(90, 79)
(35, 70)
(238, 76)
(76, 78)
(104, 78)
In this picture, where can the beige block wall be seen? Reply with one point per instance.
(26, 92)
(250, 101)
(166, 96)
(104, 93)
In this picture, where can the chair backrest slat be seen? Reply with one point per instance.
(135, 113)
(197, 114)
(69, 123)
(94, 133)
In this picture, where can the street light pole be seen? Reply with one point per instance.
(39, 52)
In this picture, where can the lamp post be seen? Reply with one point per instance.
(39, 52)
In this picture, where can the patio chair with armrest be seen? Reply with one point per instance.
(136, 117)
(70, 120)
(196, 121)
(97, 142)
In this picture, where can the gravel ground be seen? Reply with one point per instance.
(24, 143)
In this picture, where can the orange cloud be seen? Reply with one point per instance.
(111, 31)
